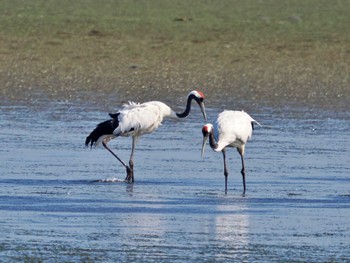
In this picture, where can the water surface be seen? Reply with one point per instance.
(297, 205)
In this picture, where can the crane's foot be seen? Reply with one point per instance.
(129, 175)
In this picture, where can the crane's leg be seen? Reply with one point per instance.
(116, 156)
(241, 153)
(130, 174)
(225, 169)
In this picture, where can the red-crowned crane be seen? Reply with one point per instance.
(135, 119)
(231, 129)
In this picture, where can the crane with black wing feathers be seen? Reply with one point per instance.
(135, 119)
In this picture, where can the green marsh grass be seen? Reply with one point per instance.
(260, 50)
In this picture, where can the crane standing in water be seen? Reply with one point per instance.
(134, 120)
(231, 129)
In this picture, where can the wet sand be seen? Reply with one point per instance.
(272, 85)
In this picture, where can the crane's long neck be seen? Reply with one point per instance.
(213, 144)
(188, 108)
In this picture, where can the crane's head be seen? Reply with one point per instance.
(199, 98)
(206, 130)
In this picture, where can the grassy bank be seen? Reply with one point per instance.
(260, 50)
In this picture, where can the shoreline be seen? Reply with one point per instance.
(140, 83)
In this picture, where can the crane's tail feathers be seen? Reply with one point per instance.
(103, 130)
(88, 140)
(255, 122)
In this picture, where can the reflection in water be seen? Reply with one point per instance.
(172, 227)
(232, 226)
(230, 230)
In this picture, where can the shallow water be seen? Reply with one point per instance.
(297, 205)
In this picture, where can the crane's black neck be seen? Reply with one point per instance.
(188, 107)
(213, 144)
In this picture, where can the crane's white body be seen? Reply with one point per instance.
(136, 119)
(233, 129)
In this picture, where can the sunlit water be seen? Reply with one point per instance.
(52, 209)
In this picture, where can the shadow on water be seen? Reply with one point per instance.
(60, 201)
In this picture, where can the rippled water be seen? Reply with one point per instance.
(52, 209)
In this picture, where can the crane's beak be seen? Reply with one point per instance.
(205, 138)
(201, 105)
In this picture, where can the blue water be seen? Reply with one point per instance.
(61, 202)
